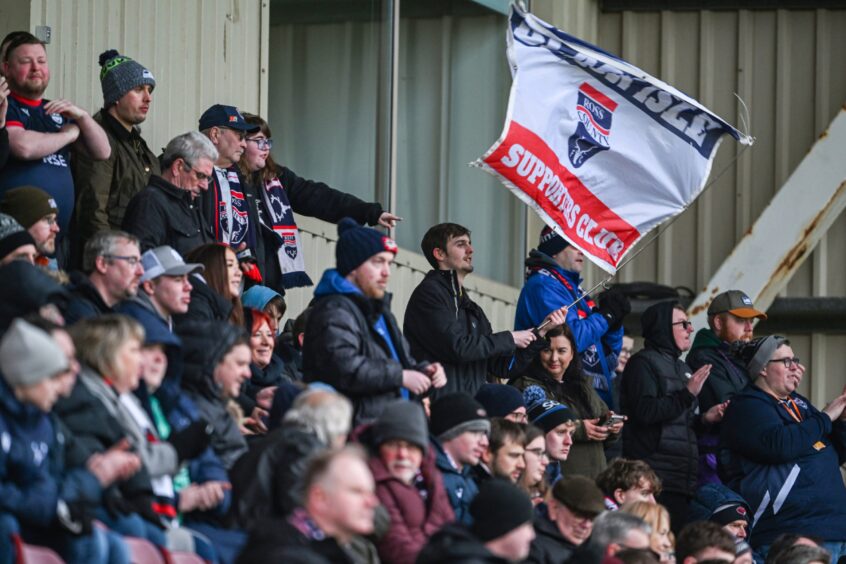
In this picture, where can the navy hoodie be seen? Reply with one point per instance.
(788, 471)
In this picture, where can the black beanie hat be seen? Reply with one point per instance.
(729, 513)
(551, 243)
(403, 420)
(499, 508)
(12, 235)
(457, 413)
(356, 244)
(499, 399)
(544, 412)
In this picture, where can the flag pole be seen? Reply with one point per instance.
(604, 283)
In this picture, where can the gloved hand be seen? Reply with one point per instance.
(614, 306)
(143, 506)
(115, 504)
(75, 517)
(191, 441)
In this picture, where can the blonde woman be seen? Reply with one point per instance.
(661, 542)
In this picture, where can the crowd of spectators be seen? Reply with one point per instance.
(152, 389)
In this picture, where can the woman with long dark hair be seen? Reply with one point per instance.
(216, 292)
(558, 371)
(280, 193)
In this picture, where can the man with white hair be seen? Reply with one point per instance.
(167, 211)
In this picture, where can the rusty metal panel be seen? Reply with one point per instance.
(200, 51)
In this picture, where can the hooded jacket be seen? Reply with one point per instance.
(278, 540)
(549, 546)
(344, 347)
(266, 480)
(549, 287)
(28, 490)
(661, 410)
(414, 517)
(203, 346)
(711, 497)
(443, 324)
(26, 288)
(788, 471)
(459, 485)
(457, 545)
(727, 378)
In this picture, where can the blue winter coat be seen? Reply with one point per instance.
(543, 293)
(28, 490)
(460, 486)
(788, 471)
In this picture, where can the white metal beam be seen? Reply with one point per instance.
(788, 229)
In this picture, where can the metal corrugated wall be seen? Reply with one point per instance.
(790, 69)
(200, 51)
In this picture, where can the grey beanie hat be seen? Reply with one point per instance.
(28, 355)
(12, 235)
(403, 420)
(756, 353)
(120, 74)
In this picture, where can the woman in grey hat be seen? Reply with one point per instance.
(782, 454)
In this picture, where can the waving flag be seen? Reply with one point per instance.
(601, 150)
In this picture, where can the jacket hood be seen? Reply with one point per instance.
(710, 498)
(25, 288)
(204, 344)
(333, 283)
(657, 326)
(706, 339)
(537, 259)
(11, 405)
(454, 543)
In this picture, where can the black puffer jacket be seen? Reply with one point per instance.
(442, 324)
(549, 546)
(344, 348)
(661, 410)
(203, 346)
(277, 540)
(26, 288)
(456, 545)
(266, 480)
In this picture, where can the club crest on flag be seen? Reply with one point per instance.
(595, 111)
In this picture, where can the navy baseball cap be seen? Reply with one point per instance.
(225, 116)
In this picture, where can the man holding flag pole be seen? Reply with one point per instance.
(604, 153)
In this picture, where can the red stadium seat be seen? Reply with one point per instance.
(142, 551)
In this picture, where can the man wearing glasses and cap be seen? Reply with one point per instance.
(229, 205)
(730, 318)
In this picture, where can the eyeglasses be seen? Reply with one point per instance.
(262, 143)
(539, 452)
(685, 324)
(50, 220)
(786, 361)
(201, 176)
(131, 261)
